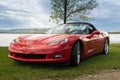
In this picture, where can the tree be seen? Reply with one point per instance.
(75, 9)
(65, 11)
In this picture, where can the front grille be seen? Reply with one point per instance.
(30, 56)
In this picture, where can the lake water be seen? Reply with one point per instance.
(5, 39)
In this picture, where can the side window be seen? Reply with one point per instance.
(90, 29)
(84, 30)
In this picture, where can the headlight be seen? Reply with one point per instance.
(58, 41)
(15, 41)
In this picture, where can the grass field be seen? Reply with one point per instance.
(11, 70)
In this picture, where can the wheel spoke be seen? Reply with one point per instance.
(78, 60)
(78, 49)
(106, 47)
(75, 56)
(78, 54)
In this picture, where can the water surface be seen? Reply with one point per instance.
(5, 39)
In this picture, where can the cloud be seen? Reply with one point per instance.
(107, 9)
(35, 14)
(29, 14)
(22, 5)
(107, 15)
(114, 2)
(8, 22)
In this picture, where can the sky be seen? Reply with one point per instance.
(20, 14)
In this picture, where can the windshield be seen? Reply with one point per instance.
(68, 29)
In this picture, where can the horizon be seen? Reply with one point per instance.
(48, 28)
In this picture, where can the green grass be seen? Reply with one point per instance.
(11, 70)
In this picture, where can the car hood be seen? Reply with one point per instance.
(42, 38)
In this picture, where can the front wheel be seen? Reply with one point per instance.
(106, 47)
(76, 54)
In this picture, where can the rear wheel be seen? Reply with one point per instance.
(75, 55)
(106, 47)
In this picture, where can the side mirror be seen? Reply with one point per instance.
(95, 32)
(88, 36)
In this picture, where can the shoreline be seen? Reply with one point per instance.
(6, 39)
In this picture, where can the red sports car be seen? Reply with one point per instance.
(65, 43)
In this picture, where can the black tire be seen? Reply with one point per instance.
(106, 47)
(75, 54)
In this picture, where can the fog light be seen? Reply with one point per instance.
(57, 56)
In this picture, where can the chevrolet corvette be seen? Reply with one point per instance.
(64, 43)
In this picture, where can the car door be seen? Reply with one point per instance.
(92, 40)
(100, 42)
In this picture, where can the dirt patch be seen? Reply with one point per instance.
(104, 75)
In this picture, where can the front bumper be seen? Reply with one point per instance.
(57, 60)
(40, 55)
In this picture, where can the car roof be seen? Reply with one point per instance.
(82, 23)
